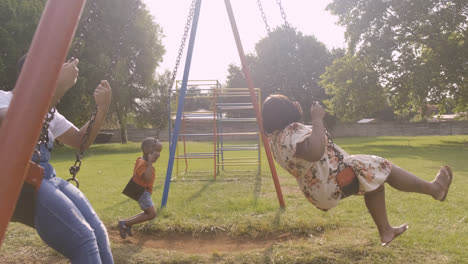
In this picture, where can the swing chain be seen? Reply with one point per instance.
(183, 41)
(83, 30)
(283, 13)
(44, 136)
(122, 39)
(260, 6)
(76, 167)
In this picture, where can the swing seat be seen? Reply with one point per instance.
(133, 190)
(348, 182)
(26, 203)
(34, 175)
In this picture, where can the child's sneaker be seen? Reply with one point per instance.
(122, 229)
(129, 231)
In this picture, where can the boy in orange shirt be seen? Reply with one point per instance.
(143, 175)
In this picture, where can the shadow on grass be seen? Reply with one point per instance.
(199, 192)
(277, 219)
(257, 188)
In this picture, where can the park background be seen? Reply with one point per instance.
(404, 65)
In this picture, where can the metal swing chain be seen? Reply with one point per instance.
(283, 14)
(183, 41)
(292, 39)
(76, 167)
(83, 30)
(260, 6)
(44, 136)
(125, 30)
(76, 50)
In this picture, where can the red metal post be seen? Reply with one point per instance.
(255, 104)
(33, 94)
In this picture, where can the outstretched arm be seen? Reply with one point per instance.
(74, 137)
(313, 147)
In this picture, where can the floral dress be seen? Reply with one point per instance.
(317, 180)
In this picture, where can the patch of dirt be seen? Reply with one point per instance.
(200, 244)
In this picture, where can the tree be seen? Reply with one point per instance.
(354, 89)
(18, 21)
(287, 62)
(153, 108)
(123, 46)
(418, 47)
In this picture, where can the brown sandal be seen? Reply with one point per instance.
(446, 170)
(449, 170)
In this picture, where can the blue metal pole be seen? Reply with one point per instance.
(180, 105)
(169, 117)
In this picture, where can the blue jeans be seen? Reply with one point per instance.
(66, 221)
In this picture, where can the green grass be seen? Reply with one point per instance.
(244, 206)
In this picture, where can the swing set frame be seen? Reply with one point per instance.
(182, 93)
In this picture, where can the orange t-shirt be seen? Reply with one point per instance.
(140, 168)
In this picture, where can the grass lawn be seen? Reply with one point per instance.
(237, 219)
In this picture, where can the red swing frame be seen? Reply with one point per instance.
(33, 93)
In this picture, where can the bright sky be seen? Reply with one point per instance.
(215, 47)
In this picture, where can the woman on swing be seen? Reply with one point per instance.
(326, 173)
(64, 218)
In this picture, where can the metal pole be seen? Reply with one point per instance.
(253, 98)
(180, 104)
(33, 94)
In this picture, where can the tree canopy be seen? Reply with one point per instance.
(117, 40)
(123, 46)
(419, 48)
(354, 89)
(287, 62)
(18, 21)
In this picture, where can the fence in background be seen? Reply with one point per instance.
(339, 130)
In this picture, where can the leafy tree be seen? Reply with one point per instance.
(18, 21)
(418, 47)
(354, 88)
(287, 62)
(153, 108)
(116, 40)
(123, 46)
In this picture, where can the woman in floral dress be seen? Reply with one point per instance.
(309, 154)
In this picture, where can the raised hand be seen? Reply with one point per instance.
(103, 94)
(316, 112)
(68, 76)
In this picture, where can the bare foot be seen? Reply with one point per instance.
(392, 234)
(443, 180)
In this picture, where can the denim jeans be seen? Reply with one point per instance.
(66, 221)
